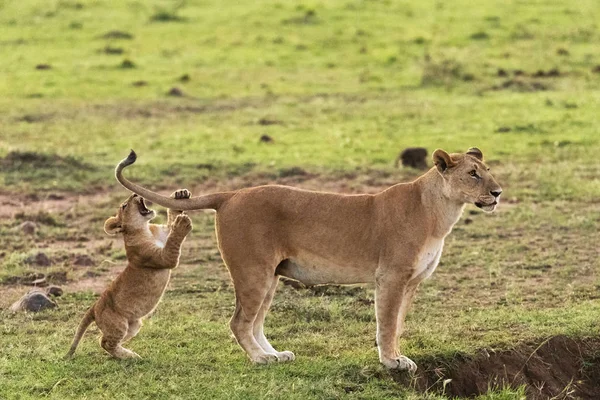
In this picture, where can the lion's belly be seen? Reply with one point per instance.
(428, 259)
(314, 271)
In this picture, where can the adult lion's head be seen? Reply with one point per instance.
(467, 179)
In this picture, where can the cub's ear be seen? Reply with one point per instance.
(112, 226)
(475, 152)
(442, 160)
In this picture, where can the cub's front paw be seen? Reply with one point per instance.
(182, 224)
(401, 363)
(181, 194)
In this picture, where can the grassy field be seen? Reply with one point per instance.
(341, 87)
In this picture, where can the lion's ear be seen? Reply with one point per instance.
(475, 152)
(112, 226)
(442, 160)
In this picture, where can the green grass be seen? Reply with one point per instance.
(342, 87)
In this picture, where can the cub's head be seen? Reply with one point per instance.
(132, 215)
(467, 179)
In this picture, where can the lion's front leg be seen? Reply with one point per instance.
(389, 295)
(172, 214)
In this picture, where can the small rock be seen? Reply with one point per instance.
(83, 260)
(503, 129)
(40, 259)
(28, 227)
(54, 290)
(175, 92)
(43, 66)
(266, 139)
(562, 52)
(33, 301)
(502, 72)
(184, 78)
(596, 69)
(140, 83)
(468, 221)
(413, 157)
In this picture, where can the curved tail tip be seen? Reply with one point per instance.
(130, 159)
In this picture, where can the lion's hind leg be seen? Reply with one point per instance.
(258, 329)
(249, 298)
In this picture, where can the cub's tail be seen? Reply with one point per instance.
(88, 318)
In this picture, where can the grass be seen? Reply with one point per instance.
(342, 87)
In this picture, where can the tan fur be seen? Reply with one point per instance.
(152, 251)
(393, 238)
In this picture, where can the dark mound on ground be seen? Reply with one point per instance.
(559, 367)
(16, 160)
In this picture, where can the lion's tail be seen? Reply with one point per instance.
(209, 201)
(88, 318)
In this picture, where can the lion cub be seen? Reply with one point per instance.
(152, 251)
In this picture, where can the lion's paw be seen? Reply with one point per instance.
(126, 353)
(401, 363)
(285, 356)
(266, 358)
(181, 194)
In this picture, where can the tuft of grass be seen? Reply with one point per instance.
(169, 15)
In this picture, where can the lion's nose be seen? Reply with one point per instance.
(496, 193)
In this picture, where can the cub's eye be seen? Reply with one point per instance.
(123, 206)
(473, 173)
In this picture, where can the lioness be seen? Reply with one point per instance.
(393, 238)
(152, 251)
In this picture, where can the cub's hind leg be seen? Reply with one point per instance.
(258, 329)
(132, 329)
(114, 329)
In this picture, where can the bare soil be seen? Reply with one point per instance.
(558, 367)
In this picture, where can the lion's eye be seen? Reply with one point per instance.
(473, 173)
(123, 206)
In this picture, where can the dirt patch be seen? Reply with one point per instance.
(43, 210)
(521, 85)
(17, 160)
(116, 34)
(558, 367)
(33, 118)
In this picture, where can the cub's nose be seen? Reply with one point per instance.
(496, 193)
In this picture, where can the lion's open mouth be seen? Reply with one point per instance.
(142, 207)
(486, 207)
